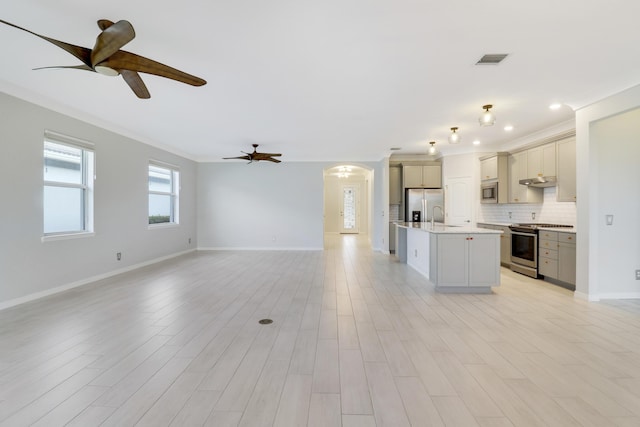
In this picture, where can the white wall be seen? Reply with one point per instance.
(30, 267)
(608, 151)
(268, 206)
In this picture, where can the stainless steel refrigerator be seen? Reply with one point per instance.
(419, 205)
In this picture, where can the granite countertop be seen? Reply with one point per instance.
(440, 228)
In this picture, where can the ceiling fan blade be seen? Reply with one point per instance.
(73, 67)
(82, 53)
(239, 157)
(103, 24)
(111, 39)
(136, 84)
(269, 159)
(271, 154)
(122, 60)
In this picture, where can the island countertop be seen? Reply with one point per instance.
(440, 228)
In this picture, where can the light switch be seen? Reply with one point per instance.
(609, 219)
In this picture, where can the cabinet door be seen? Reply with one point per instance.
(518, 169)
(489, 168)
(483, 247)
(412, 176)
(534, 162)
(395, 185)
(549, 159)
(517, 164)
(567, 262)
(566, 170)
(452, 260)
(432, 176)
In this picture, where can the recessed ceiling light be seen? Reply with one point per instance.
(555, 106)
(476, 142)
(508, 128)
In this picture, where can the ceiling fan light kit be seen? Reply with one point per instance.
(107, 59)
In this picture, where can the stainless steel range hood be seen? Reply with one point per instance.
(539, 181)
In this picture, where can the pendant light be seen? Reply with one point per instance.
(487, 118)
(454, 137)
(432, 149)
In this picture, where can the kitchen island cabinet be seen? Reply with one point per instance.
(454, 259)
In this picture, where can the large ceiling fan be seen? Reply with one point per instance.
(256, 157)
(107, 58)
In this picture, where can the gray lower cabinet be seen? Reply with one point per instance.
(557, 256)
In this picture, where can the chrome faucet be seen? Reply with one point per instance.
(433, 214)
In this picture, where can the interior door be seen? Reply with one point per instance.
(459, 199)
(350, 210)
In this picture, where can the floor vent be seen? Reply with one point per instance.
(265, 321)
(492, 59)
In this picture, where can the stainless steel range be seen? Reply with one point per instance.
(524, 247)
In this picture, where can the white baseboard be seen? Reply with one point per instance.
(235, 248)
(58, 289)
(599, 297)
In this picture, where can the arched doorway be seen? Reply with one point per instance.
(347, 200)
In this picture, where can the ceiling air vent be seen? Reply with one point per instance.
(492, 59)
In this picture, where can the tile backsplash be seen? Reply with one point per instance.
(394, 212)
(550, 211)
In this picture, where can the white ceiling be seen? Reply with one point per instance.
(331, 79)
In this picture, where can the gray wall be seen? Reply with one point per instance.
(270, 206)
(30, 267)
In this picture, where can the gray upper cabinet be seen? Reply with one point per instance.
(541, 161)
(566, 170)
(518, 169)
(395, 185)
(489, 168)
(425, 176)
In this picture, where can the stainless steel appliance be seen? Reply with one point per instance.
(524, 247)
(419, 205)
(489, 192)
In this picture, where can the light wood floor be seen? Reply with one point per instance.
(357, 340)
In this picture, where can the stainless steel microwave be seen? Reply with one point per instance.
(489, 193)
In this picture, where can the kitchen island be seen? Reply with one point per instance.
(455, 259)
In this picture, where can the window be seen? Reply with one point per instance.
(164, 185)
(68, 185)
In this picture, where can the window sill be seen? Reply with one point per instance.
(54, 237)
(163, 225)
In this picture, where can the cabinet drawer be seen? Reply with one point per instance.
(567, 237)
(548, 267)
(548, 244)
(548, 253)
(548, 235)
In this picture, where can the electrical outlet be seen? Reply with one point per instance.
(609, 219)
(119, 256)
(189, 240)
(273, 238)
(510, 213)
(637, 274)
(533, 215)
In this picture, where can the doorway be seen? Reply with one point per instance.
(350, 210)
(347, 200)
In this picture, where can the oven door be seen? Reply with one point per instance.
(524, 249)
